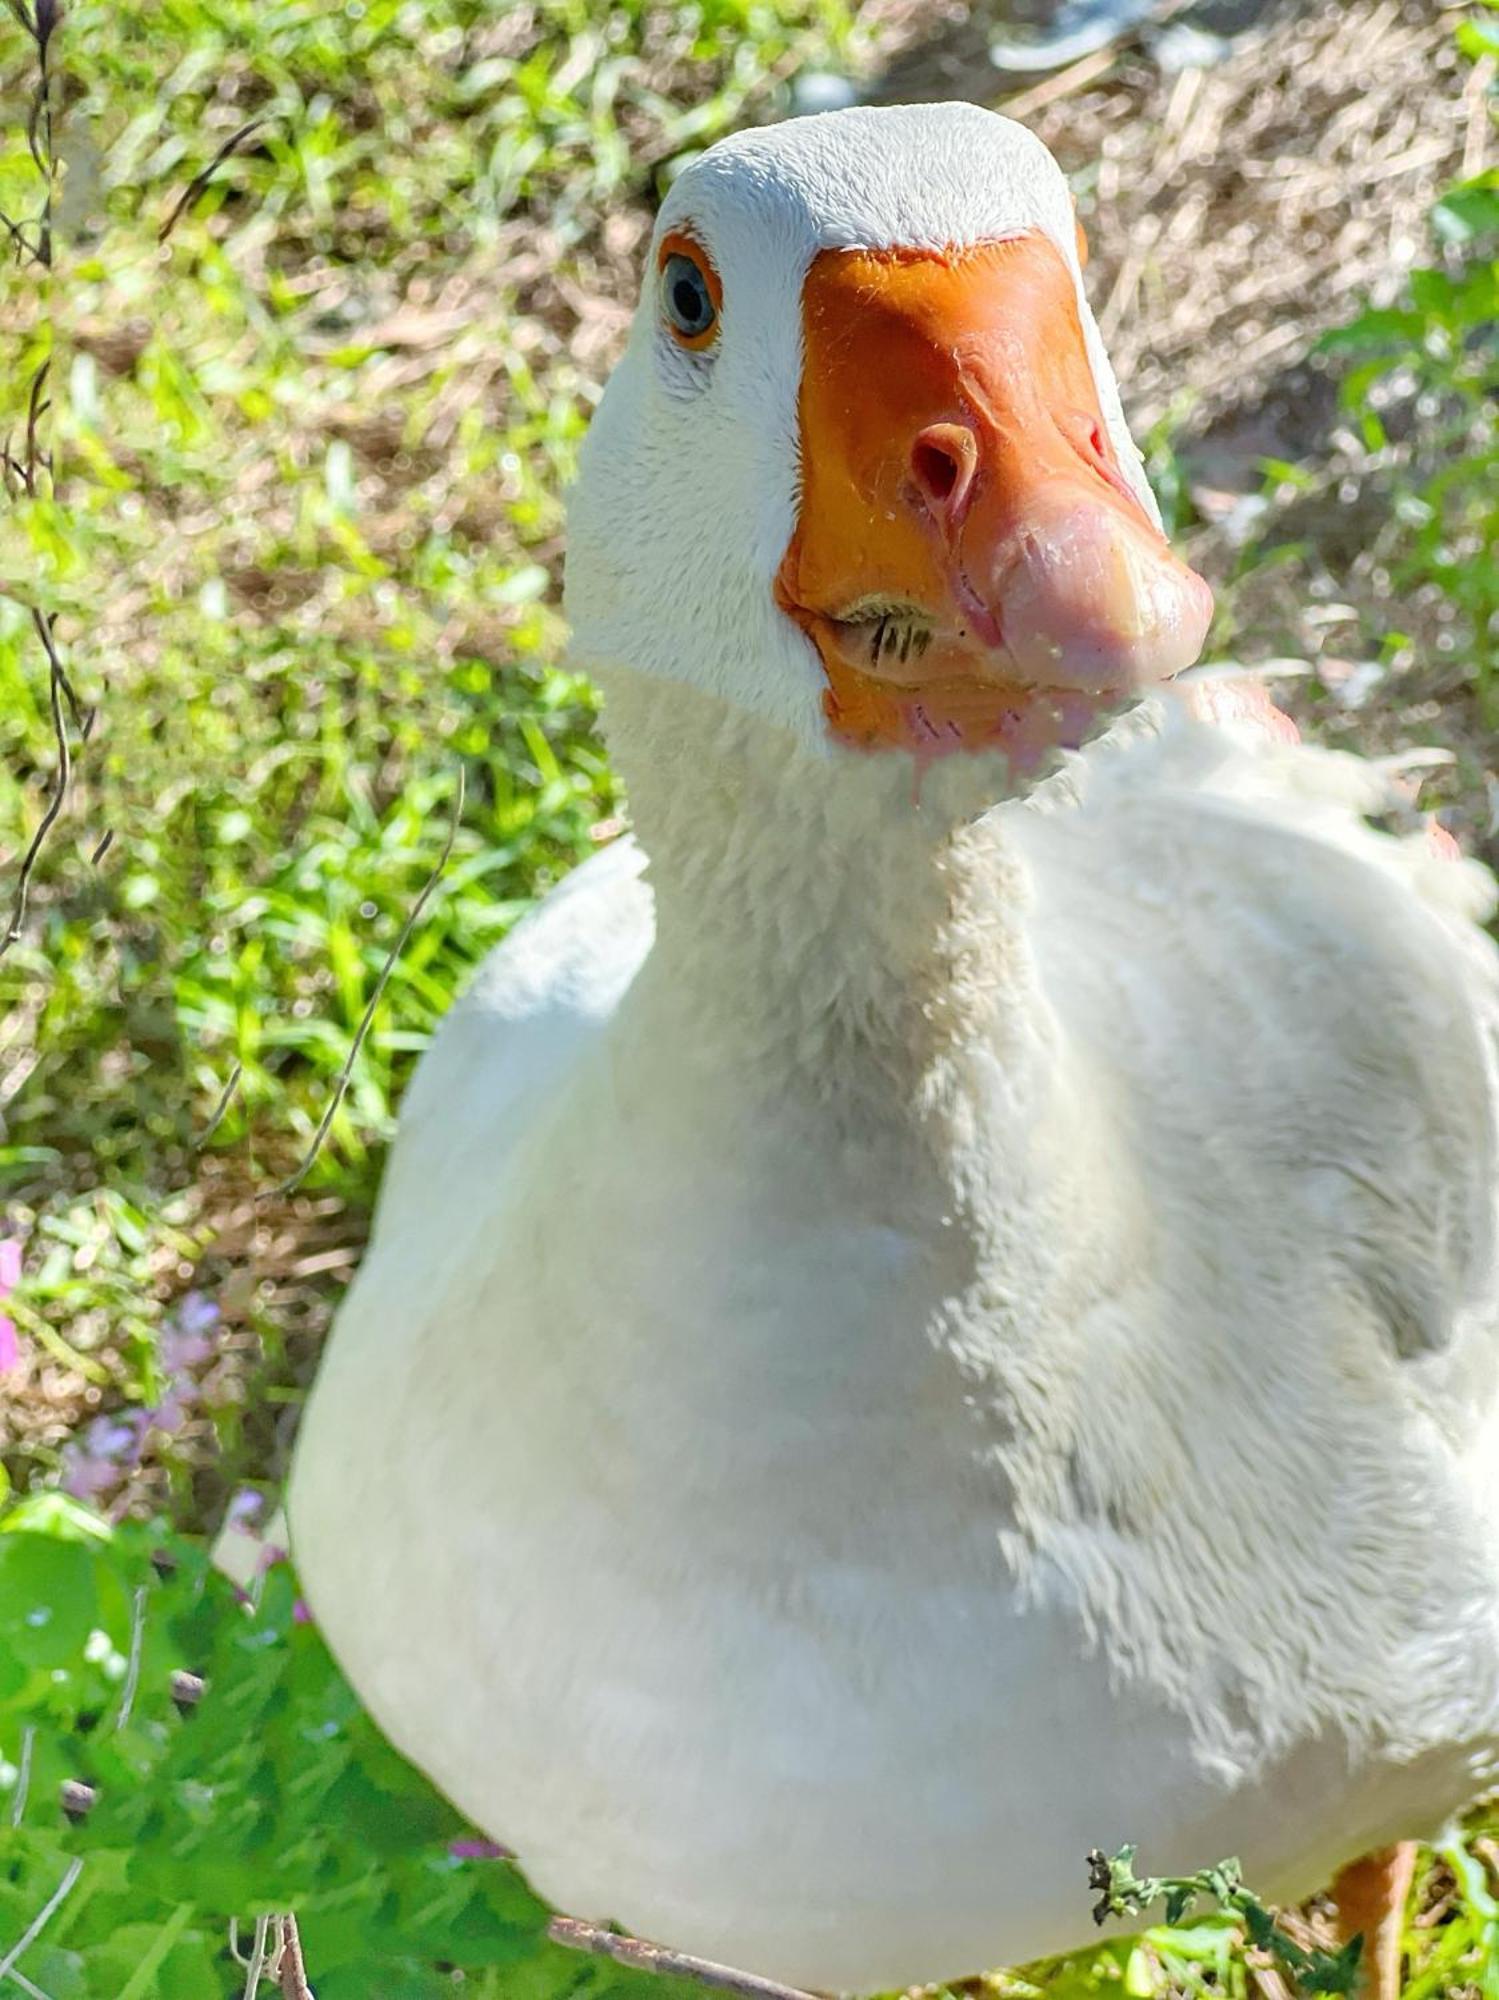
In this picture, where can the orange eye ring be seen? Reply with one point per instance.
(692, 295)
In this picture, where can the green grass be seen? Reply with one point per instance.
(302, 545)
(301, 542)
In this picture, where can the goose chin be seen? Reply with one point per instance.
(959, 704)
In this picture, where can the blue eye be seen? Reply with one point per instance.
(686, 298)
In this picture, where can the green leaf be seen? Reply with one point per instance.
(1469, 210)
(1478, 39)
(149, 1976)
(48, 1602)
(54, 1513)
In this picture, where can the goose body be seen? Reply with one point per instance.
(930, 1315)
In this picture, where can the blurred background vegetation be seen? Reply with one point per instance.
(299, 548)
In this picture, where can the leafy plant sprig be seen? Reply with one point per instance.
(1125, 1894)
(1436, 348)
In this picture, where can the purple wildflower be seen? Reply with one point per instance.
(97, 1462)
(87, 1478)
(479, 1850)
(245, 1507)
(174, 1409)
(197, 1313)
(187, 1341)
(118, 1438)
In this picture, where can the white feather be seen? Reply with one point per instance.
(929, 1338)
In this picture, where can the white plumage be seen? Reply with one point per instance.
(912, 1337)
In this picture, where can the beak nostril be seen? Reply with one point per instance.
(943, 461)
(1091, 441)
(936, 471)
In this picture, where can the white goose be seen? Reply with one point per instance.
(933, 1314)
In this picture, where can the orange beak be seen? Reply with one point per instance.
(968, 559)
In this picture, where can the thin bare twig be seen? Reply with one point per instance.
(34, 133)
(23, 1777)
(42, 1918)
(83, 719)
(28, 1986)
(49, 817)
(36, 408)
(41, 19)
(41, 22)
(1087, 69)
(644, 1957)
(260, 1951)
(133, 1669)
(226, 1098)
(292, 1968)
(295, 1180)
(200, 181)
(17, 236)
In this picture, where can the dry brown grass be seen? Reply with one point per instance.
(1236, 213)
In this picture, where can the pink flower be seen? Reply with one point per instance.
(10, 1277)
(480, 1850)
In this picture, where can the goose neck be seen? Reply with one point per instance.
(839, 915)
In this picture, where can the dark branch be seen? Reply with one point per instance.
(226, 1098)
(13, 230)
(57, 683)
(293, 1970)
(34, 132)
(642, 1957)
(36, 408)
(83, 719)
(41, 23)
(200, 181)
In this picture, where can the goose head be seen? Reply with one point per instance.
(862, 470)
